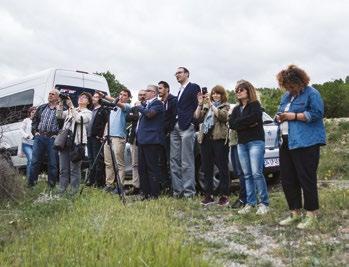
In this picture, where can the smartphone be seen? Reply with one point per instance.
(204, 90)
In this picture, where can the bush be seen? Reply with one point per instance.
(11, 187)
(270, 99)
(336, 98)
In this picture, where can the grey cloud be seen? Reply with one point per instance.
(143, 42)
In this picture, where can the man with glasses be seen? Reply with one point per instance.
(183, 137)
(150, 139)
(45, 127)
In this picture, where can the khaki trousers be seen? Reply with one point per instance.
(134, 157)
(118, 145)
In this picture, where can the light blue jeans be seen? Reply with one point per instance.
(28, 152)
(251, 156)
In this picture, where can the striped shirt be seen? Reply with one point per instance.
(48, 121)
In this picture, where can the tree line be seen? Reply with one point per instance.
(334, 93)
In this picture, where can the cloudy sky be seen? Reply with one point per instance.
(142, 42)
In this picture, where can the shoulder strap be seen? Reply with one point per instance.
(74, 132)
(82, 122)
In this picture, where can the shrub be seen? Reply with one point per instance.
(11, 186)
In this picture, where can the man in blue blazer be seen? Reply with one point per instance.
(183, 137)
(150, 139)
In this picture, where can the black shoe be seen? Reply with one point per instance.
(89, 183)
(238, 204)
(132, 191)
(144, 197)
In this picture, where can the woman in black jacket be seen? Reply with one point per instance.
(246, 119)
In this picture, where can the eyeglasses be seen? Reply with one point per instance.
(149, 90)
(52, 93)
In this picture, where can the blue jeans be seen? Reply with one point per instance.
(43, 144)
(238, 172)
(251, 156)
(28, 151)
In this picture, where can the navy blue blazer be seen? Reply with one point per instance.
(170, 113)
(186, 105)
(151, 122)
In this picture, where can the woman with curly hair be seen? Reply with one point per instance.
(300, 115)
(246, 119)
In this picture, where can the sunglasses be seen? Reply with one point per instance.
(239, 90)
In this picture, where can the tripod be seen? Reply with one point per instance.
(107, 140)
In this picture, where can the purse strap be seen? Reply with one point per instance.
(81, 125)
(75, 128)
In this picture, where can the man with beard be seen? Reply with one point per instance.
(170, 102)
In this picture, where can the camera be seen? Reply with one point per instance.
(63, 96)
(108, 104)
(204, 90)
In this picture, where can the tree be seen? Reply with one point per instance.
(347, 79)
(336, 98)
(270, 99)
(114, 85)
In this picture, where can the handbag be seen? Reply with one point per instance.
(78, 150)
(63, 139)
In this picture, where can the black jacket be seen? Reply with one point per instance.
(132, 117)
(37, 118)
(248, 123)
(99, 122)
(170, 106)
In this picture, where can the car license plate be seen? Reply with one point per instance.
(271, 162)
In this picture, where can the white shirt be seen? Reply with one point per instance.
(181, 89)
(26, 129)
(284, 125)
(151, 100)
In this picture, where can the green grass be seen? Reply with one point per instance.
(334, 160)
(95, 230)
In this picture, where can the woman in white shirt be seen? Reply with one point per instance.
(72, 116)
(26, 146)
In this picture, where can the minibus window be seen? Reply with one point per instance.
(14, 108)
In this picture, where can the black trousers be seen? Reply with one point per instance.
(98, 173)
(164, 161)
(149, 169)
(215, 152)
(298, 168)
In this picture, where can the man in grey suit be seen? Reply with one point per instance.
(183, 137)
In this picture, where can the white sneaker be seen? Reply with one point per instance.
(262, 209)
(246, 209)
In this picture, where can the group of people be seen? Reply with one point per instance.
(162, 132)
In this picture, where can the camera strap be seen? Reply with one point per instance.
(75, 129)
